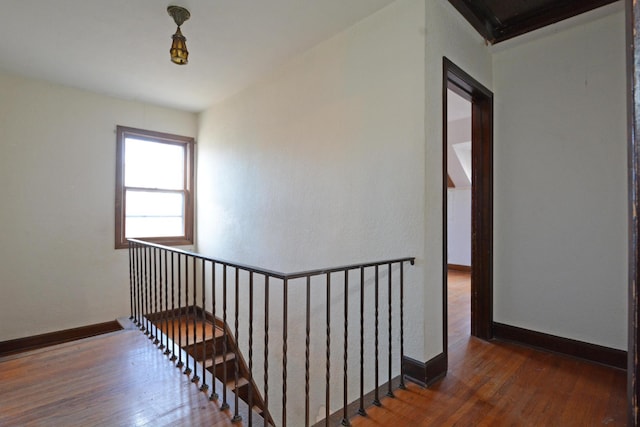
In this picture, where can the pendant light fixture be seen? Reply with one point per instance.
(179, 52)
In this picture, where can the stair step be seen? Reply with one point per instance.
(214, 342)
(196, 349)
(231, 384)
(220, 358)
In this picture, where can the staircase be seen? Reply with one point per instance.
(211, 343)
(171, 289)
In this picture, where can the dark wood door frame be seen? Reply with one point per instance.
(633, 150)
(481, 98)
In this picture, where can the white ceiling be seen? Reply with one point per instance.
(121, 47)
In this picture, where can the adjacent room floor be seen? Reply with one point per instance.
(503, 384)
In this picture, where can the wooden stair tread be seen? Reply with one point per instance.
(231, 384)
(220, 358)
(181, 331)
(183, 340)
(182, 322)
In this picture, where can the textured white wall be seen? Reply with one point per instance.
(322, 164)
(459, 226)
(560, 183)
(57, 181)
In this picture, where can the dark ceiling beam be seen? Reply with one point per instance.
(479, 17)
(546, 16)
(496, 29)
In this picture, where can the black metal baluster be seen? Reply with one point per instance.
(195, 378)
(136, 283)
(204, 385)
(134, 288)
(131, 279)
(307, 352)
(250, 399)
(361, 410)
(266, 349)
(146, 291)
(155, 296)
(140, 286)
(376, 400)
(173, 308)
(150, 299)
(345, 416)
(167, 314)
(179, 364)
(152, 262)
(187, 369)
(214, 394)
(285, 314)
(402, 385)
(163, 298)
(328, 364)
(160, 313)
(225, 404)
(132, 255)
(390, 389)
(236, 364)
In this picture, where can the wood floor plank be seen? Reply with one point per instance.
(497, 384)
(121, 379)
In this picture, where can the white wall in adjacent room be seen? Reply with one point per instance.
(459, 226)
(560, 183)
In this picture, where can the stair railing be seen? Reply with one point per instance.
(173, 290)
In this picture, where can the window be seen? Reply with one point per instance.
(154, 187)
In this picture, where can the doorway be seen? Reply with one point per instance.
(481, 192)
(459, 173)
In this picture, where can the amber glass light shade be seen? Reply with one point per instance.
(179, 52)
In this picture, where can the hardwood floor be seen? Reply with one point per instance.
(503, 384)
(118, 379)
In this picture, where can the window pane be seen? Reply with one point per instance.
(153, 164)
(154, 214)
